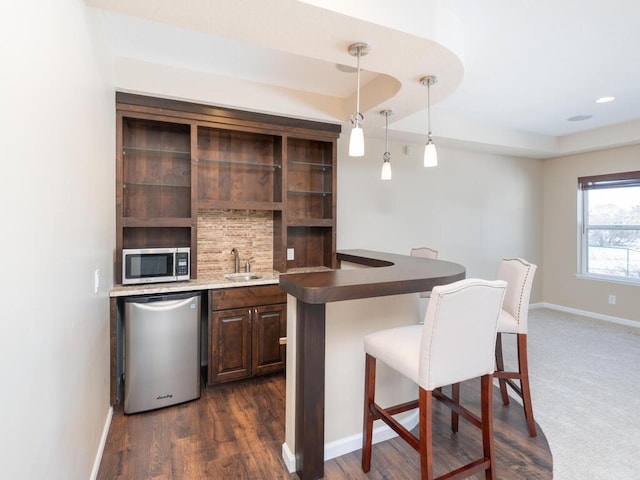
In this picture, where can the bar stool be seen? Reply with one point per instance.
(424, 252)
(460, 317)
(518, 273)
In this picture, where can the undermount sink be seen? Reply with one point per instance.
(242, 277)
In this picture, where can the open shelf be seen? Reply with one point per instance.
(152, 237)
(238, 167)
(311, 222)
(240, 205)
(312, 246)
(242, 163)
(310, 182)
(159, 151)
(152, 201)
(321, 166)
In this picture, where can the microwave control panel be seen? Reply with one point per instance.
(182, 263)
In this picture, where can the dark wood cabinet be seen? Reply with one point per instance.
(245, 328)
(154, 175)
(310, 214)
(239, 170)
(269, 326)
(230, 345)
(176, 157)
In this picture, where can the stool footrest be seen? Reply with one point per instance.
(459, 409)
(467, 470)
(385, 415)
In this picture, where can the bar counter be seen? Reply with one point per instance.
(392, 274)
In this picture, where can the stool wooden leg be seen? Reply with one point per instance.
(486, 384)
(455, 396)
(425, 402)
(369, 397)
(523, 366)
(500, 368)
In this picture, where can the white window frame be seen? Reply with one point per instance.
(586, 184)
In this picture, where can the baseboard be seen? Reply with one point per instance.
(289, 458)
(349, 444)
(584, 313)
(103, 442)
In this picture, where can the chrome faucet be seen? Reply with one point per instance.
(236, 255)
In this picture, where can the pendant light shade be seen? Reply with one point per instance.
(386, 170)
(356, 141)
(386, 157)
(430, 153)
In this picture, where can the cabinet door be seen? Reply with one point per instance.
(229, 345)
(269, 325)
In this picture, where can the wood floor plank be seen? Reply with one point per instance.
(235, 431)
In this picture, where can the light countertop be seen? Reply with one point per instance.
(208, 283)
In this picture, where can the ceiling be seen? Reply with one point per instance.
(510, 72)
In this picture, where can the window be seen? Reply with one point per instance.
(610, 230)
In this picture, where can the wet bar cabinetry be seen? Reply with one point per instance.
(176, 157)
(246, 325)
(311, 202)
(154, 175)
(239, 170)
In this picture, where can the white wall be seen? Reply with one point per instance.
(475, 208)
(561, 286)
(57, 216)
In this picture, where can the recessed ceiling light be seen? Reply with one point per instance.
(579, 118)
(605, 99)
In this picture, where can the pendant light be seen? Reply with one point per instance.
(430, 154)
(386, 157)
(356, 141)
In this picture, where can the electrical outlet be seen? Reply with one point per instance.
(290, 254)
(612, 299)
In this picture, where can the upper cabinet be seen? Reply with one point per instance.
(310, 203)
(154, 185)
(310, 182)
(173, 158)
(239, 170)
(156, 170)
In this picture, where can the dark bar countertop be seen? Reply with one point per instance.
(399, 274)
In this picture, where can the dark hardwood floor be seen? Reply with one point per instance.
(235, 431)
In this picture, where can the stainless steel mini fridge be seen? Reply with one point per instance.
(162, 351)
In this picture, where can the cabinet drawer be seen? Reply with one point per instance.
(246, 297)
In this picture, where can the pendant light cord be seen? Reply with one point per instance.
(429, 108)
(358, 87)
(386, 131)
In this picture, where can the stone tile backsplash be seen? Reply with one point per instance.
(249, 231)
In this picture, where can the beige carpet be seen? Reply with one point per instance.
(585, 381)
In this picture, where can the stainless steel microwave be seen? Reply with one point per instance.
(153, 265)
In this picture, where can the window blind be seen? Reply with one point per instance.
(611, 180)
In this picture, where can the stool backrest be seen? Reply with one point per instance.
(518, 273)
(459, 334)
(424, 252)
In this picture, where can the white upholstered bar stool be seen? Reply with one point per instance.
(424, 252)
(461, 317)
(518, 273)
(423, 300)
